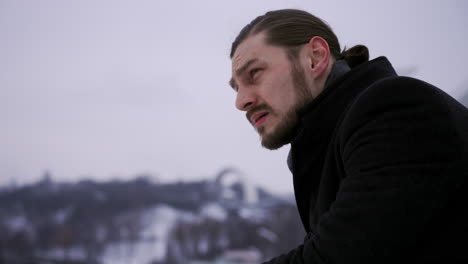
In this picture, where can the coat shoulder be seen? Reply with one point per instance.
(400, 89)
(405, 108)
(402, 95)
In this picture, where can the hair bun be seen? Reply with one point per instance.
(355, 55)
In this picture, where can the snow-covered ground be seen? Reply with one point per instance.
(151, 245)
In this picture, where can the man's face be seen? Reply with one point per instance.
(271, 88)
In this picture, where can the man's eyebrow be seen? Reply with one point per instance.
(241, 70)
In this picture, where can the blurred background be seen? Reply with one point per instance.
(120, 142)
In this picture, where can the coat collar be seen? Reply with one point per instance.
(317, 125)
(339, 92)
(339, 69)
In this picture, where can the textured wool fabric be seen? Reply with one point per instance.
(380, 169)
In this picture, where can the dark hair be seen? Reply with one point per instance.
(291, 28)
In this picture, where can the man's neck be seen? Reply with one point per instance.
(339, 68)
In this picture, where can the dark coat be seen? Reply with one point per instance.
(380, 169)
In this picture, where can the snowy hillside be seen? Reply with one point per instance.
(221, 220)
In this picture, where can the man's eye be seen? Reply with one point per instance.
(253, 72)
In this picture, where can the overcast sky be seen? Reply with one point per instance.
(111, 89)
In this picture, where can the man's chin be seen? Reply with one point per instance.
(271, 146)
(278, 136)
(273, 141)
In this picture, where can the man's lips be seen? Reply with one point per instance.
(258, 114)
(258, 118)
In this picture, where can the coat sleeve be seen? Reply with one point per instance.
(397, 144)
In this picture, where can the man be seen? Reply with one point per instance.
(379, 162)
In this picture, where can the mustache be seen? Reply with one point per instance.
(258, 108)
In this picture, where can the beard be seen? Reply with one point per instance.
(285, 130)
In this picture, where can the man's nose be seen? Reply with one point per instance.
(245, 99)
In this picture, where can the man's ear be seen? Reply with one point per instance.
(318, 54)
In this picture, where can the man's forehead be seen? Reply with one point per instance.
(247, 50)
